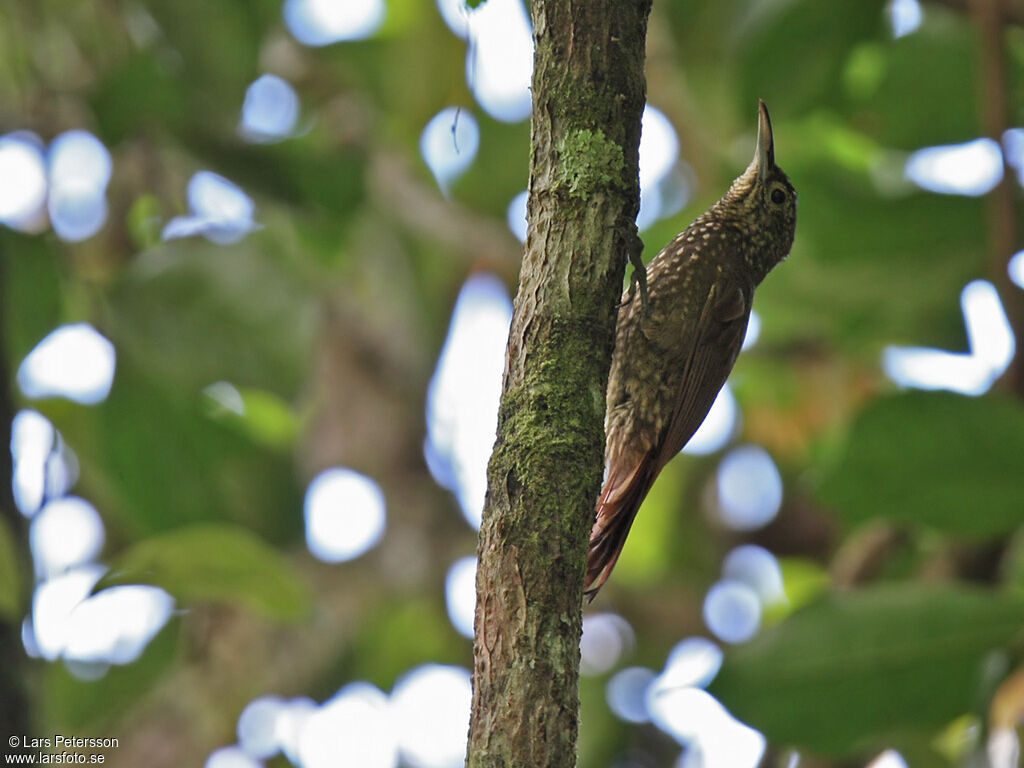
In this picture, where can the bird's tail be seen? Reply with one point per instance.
(617, 506)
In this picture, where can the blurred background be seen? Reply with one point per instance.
(256, 261)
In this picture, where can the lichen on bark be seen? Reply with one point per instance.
(589, 162)
(544, 473)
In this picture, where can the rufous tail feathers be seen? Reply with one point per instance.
(617, 506)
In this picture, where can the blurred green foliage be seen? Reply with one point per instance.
(329, 320)
(880, 659)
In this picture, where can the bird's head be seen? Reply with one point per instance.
(762, 202)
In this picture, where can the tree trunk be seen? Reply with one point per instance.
(545, 472)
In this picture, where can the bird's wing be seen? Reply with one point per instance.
(714, 343)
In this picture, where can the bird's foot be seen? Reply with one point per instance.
(639, 277)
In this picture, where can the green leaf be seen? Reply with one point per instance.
(31, 301)
(804, 582)
(853, 243)
(214, 563)
(792, 53)
(141, 94)
(850, 669)
(265, 417)
(10, 578)
(182, 468)
(194, 313)
(934, 459)
(928, 93)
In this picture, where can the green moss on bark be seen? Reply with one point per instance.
(589, 162)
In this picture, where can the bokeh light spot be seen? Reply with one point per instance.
(430, 706)
(52, 604)
(890, 758)
(460, 594)
(692, 662)
(270, 110)
(65, 533)
(732, 611)
(606, 639)
(931, 369)
(290, 721)
(449, 144)
(225, 395)
(231, 757)
(753, 330)
(462, 400)
(352, 728)
(516, 216)
(1013, 150)
(456, 15)
(749, 488)
(905, 16)
(220, 211)
(32, 441)
(992, 348)
(74, 362)
(78, 159)
(1002, 748)
(757, 568)
(22, 180)
(499, 62)
(973, 168)
(659, 146)
(988, 329)
(1016, 268)
(345, 515)
(650, 208)
(115, 625)
(75, 214)
(258, 726)
(80, 170)
(659, 152)
(321, 22)
(626, 694)
(713, 738)
(718, 426)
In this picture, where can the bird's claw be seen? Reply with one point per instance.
(639, 276)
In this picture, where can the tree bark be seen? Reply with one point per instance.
(545, 472)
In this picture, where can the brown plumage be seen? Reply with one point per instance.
(670, 361)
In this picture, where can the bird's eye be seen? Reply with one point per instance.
(778, 196)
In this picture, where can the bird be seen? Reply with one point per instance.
(674, 351)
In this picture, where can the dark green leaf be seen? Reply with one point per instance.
(214, 563)
(196, 313)
(141, 95)
(31, 304)
(850, 669)
(152, 460)
(296, 171)
(927, 94)
(792, 53)
(935, 459)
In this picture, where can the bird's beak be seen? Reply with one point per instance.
(765, 156)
